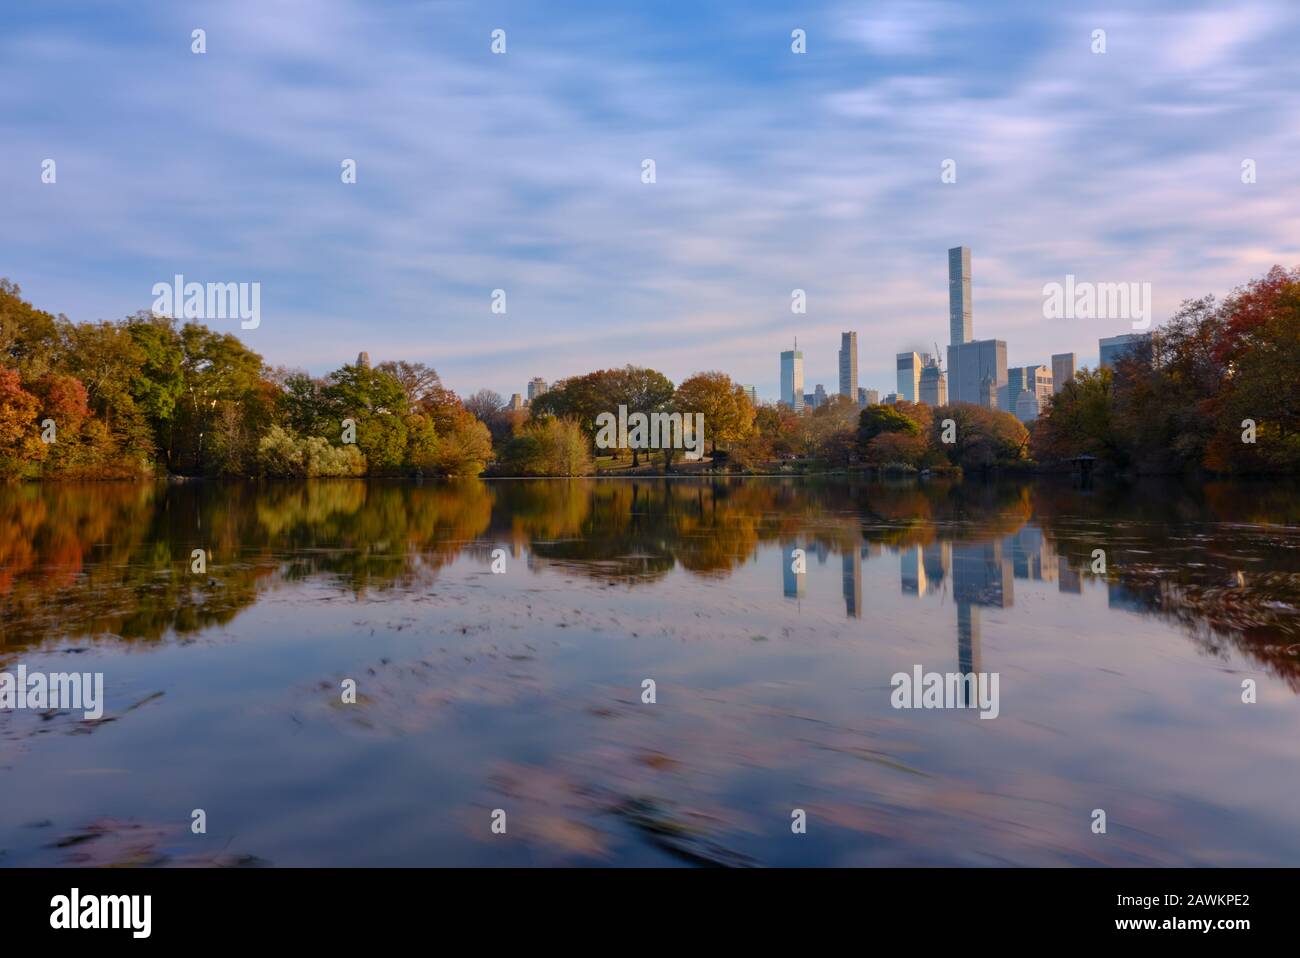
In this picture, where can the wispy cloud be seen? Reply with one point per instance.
(522, 172)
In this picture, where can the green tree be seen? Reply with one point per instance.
(376, 402)
(159, 382)
(30, 339)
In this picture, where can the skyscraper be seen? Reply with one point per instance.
(1114, 347)
(752, 393)
(792, 377)
(536, 387)
(849, 365)
(909, 376)
(977, 371)
(960, 324)
(1027, 389)
(869, 397)
(933, 384)
(1064, 366)
(819, 396)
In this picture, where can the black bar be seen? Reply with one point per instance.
(970, 908)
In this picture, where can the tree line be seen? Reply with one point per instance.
(148, 395)
(1216, 389)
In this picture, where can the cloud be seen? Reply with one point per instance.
(522, 172)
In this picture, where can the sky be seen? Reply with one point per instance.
(522, 171)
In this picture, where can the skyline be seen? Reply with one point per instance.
(816, 171)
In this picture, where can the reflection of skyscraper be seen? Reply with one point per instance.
(1120, 596)
(911, 570)
(1031, 553)
(851, 561)
(1068, 580)
(793, 581)
(969, 658)
(937, 558)
(980, 575)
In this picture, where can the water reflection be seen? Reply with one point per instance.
(480, 689)
(112, 560)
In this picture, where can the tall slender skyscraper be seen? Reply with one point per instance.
(792, 377)
(960, 325)
(849, 365)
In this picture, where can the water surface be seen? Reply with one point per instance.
(522, 691)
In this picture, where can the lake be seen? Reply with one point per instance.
(502, 637)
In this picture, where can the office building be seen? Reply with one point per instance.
(977, 371)
(792, 377)
(1028, 387)
(1113, 348)
(1026, 407)
(909, 376)
(989, 394)
(960, 324)
(752, 393)
(516, 401)
(849, 365)
(536, 387)
(1064, 368)
(933, 384)
(819, 396)
(869, 397)
(891, 399)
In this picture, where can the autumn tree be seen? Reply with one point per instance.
(728, 413)
(20, 443)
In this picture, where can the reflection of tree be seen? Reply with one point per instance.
(114, 559)
(1242, 585)
(98, 559)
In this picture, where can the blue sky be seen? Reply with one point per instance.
(775, 171)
